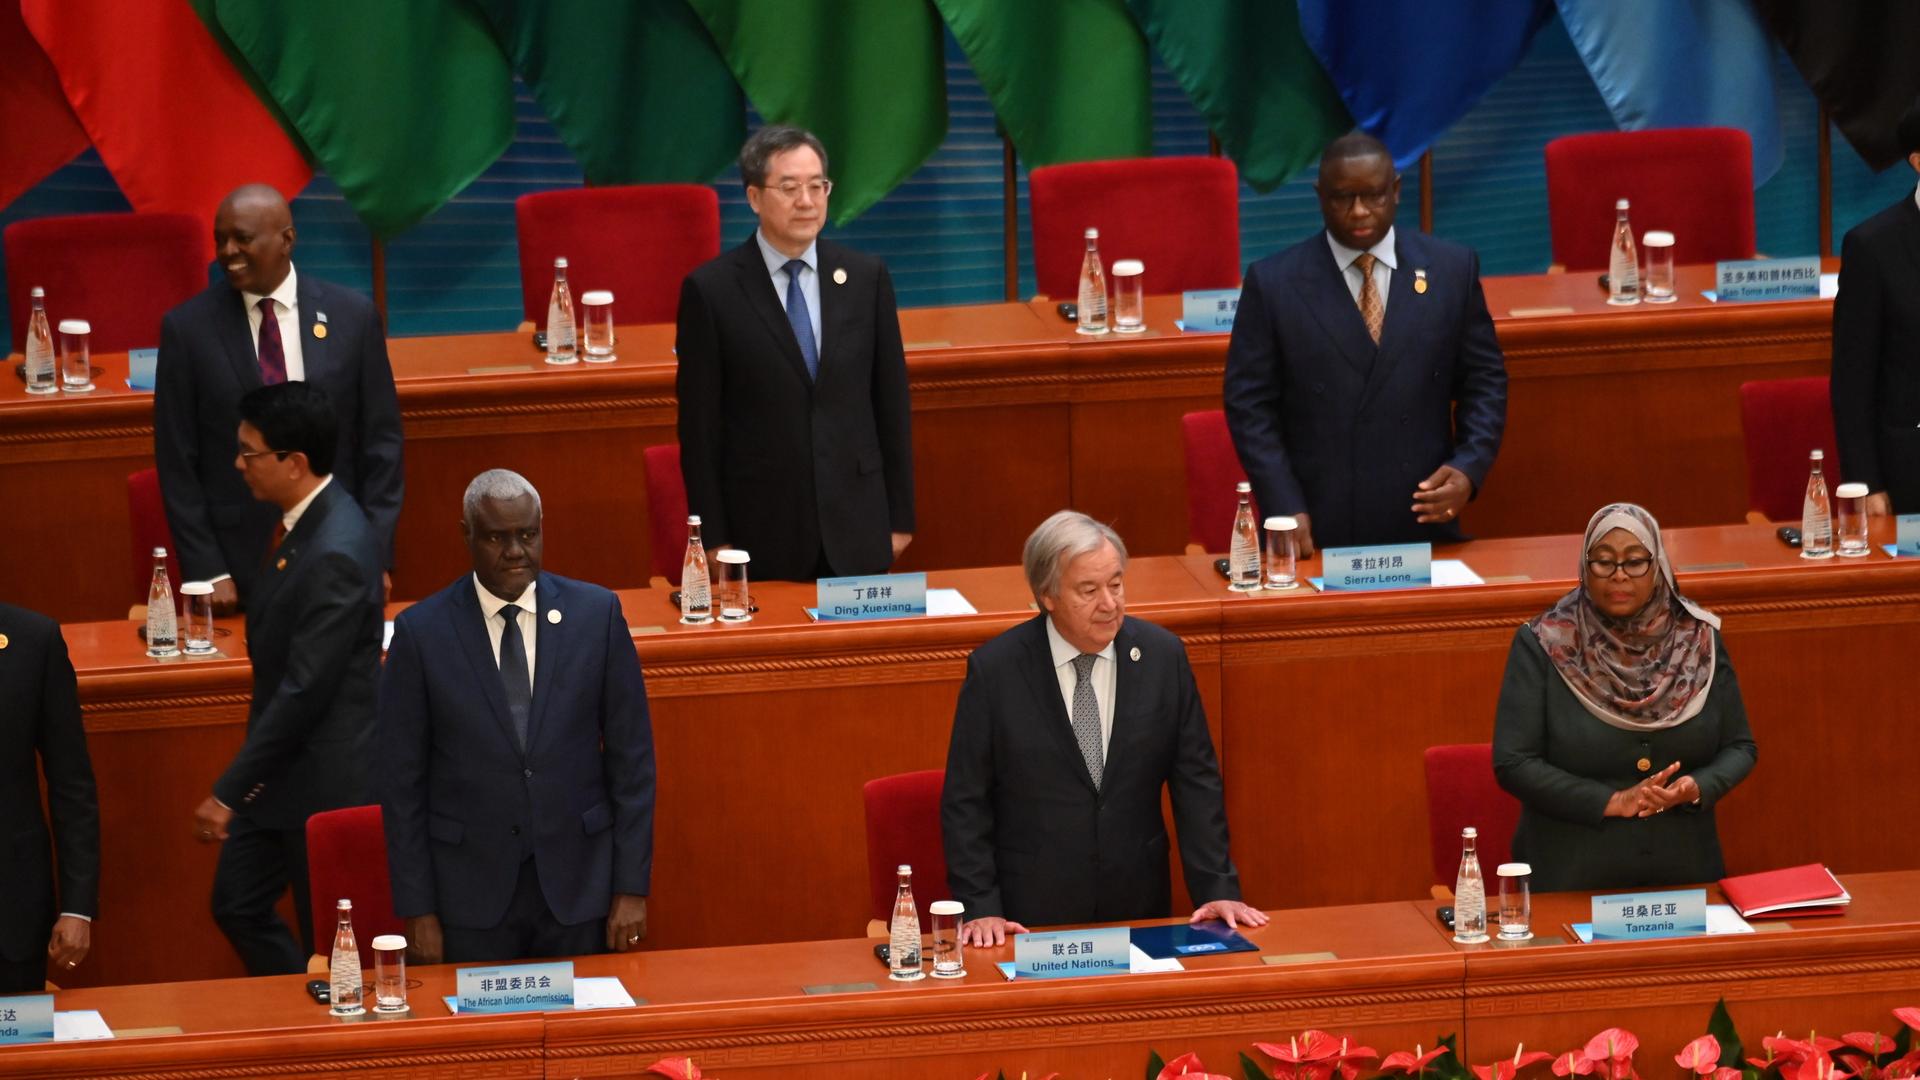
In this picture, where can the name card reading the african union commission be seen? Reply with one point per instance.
(879, 596)
(516, 988)
(1385, 566)
(1768, 279)
(1633, 916)
(1208, 310)
(1068, 954)
(1907, 534)
(26, 1019)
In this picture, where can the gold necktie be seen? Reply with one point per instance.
(1374, 312)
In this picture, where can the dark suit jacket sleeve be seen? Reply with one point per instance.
(1859, 314)
(381, 478)
(1255, 401)
(331, 613)
(176, 454)
(1199, 801)
(71, 797)
(629, 759)
(404, 735)
(966, 801)
(697, 383)
(1479, 387)
(1520, 742)
(892, 406)
(1737, 753)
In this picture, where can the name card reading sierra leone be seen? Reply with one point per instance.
(1068, 954)
(515, 988)
(1385, 566)
(878, 596)
(1208, 310)
(26, 1019)
(1768, 279)
(1907, 536)
(1634, 916)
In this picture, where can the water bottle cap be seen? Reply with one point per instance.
(343, 904)
(904, 870)
(75, 326)
(1469, 833)
(196, 588)
(1818, 455)
(389, 943)
(1093, 234)
(38, 293)
(1243, 487)
(1282, 524)
(159, 553)
(597, 298)
(946, 907)
(560, 263)
(1513, 869)
(1129, 268)
(693, 519)
(733, 555)
(1850, 491)
(1621, 205)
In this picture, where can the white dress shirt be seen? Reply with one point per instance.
(809, 279)
(1384, 265)
(286, 305)
(526, 611)
(292, 517)
(1101, 677)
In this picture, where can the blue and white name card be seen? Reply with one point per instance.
(1067, 954)
(1637, 916)
(1768, 279)
(1907, 536)
(29, 1018)
(878, 596)
(515, 988)
(1383, 566)
(1208, 310)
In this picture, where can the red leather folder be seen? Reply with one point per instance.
(1800, 890)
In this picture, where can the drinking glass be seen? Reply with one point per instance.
(1659, 280)
(198, 596)
(1129, 296)
(76, 357)
(1516, 901)
(1283, 568)
(731, 598)
(596, 318)
(945, 917)
(390, 974)
(1850, 514)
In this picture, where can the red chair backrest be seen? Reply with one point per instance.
(1461, 791)
(1180, 215)
(638, 241)
(1696, 183)
(120, 272)
(347, 857)
(1783, 420)
(666, 510)
(149, 518)
(1213, 468)
(903, 826)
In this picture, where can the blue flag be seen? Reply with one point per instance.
(1682, 63)
(1408, 70)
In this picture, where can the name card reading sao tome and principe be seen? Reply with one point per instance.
(1384, 566)
(1635, 916)
(876, 596)
(1068, 954)
(1768, 279)
(515, 988)
(26, 1019)
(1907, 535)
(1208, 310)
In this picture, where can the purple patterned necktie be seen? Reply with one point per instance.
(273, 355)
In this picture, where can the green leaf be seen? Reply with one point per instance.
(1154, 1064)
(1720, 1026)
(1250, 1068)
(1448, 1066)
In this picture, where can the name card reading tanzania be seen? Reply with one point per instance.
(1768, 279)
(1208, 310)
(1633, 916)
(1067, 954)
(1383, 566)
(26, 1019)
(876, 596)
(515, 988)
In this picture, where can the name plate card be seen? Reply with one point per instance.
(515, 988)
(1768, 279)
(1907, 538)
(1638, 916)
(879, 596)
(1384, 566)
(29, 1018)
(1066, 954)
(1208, 310)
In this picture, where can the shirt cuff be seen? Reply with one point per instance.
(76, 915)
(219, 578)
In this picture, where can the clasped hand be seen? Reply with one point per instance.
(1654, 795)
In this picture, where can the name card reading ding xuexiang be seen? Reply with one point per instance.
(876, 596)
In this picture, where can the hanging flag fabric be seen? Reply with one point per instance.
(637, 90)
(1862, 61)
(867, 76)
(1249, 72)
(41, 133)
(1068, 78)
(403, 104)
(1408, 70)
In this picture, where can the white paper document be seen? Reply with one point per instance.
(1454, 572)
(79, 1026)
(948, 602)
(1139, 963)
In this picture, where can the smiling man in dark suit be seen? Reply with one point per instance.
(221, 344)
(516, 757)
(795, 433)
(1364, 389)
(1069, 727)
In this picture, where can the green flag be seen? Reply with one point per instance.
(637, 89)
(1249, 71)
(1067, 78)
(402, 104)
(866, 76)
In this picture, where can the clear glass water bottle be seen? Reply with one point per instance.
(41, 376)
(344, 965)
(1093, 288)
(163, 623)
(1623, 270)
(1816, 513)
(1243, 554)
(696, 591)
(562, 347)
(1469, 893)
(903, 938)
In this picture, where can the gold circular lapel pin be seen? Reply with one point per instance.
(553, 616)
(839, 275)
(1420, 281)
(3, 641)
(320, 330)
(280, 565)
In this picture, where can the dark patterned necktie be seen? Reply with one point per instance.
(273, 354)
(513, 672)
(1086, 717)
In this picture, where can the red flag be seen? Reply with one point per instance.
(174, 121)
(41, 133)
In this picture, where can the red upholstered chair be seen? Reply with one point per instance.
(1696, 183)
(347, 857)
(1461, 791)
(1181, 215)
(120, 272)
(666, 510)
(149, 517)
(1783, 420)
(637, 241)
(1213, 468)
(903, 826)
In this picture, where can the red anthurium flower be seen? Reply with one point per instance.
(1614, 1044)
(1867, 1042)
(1508, 1068)
(1348, 1054)
(1726, 1072)
(1572, 1063)
(1402, 1061)
(1187, 1065)
(677, 1068)
(1701, 1056)
(1909, 1016)
(1906, 1067)
(1815, 1067)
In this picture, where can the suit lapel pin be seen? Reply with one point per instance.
(320, 324)
(280, 564)
(1135, 654)
(839, 275)
(553, 616)
(1419, 281)
(3, 641)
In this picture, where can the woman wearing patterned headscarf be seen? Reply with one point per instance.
(1620, 723)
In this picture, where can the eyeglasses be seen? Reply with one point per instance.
(249, 455)
(1635, 567)
(1345, 200)
(791, 190)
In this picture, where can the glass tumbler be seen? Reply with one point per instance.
(732, 599)
(1850, 514)
(1659, 278)
(1129, 296)
(198, 597)
(945, 917)
(1283, 568)
(390, 974)
(1516, 901)
(76, 356)
(596, 323)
